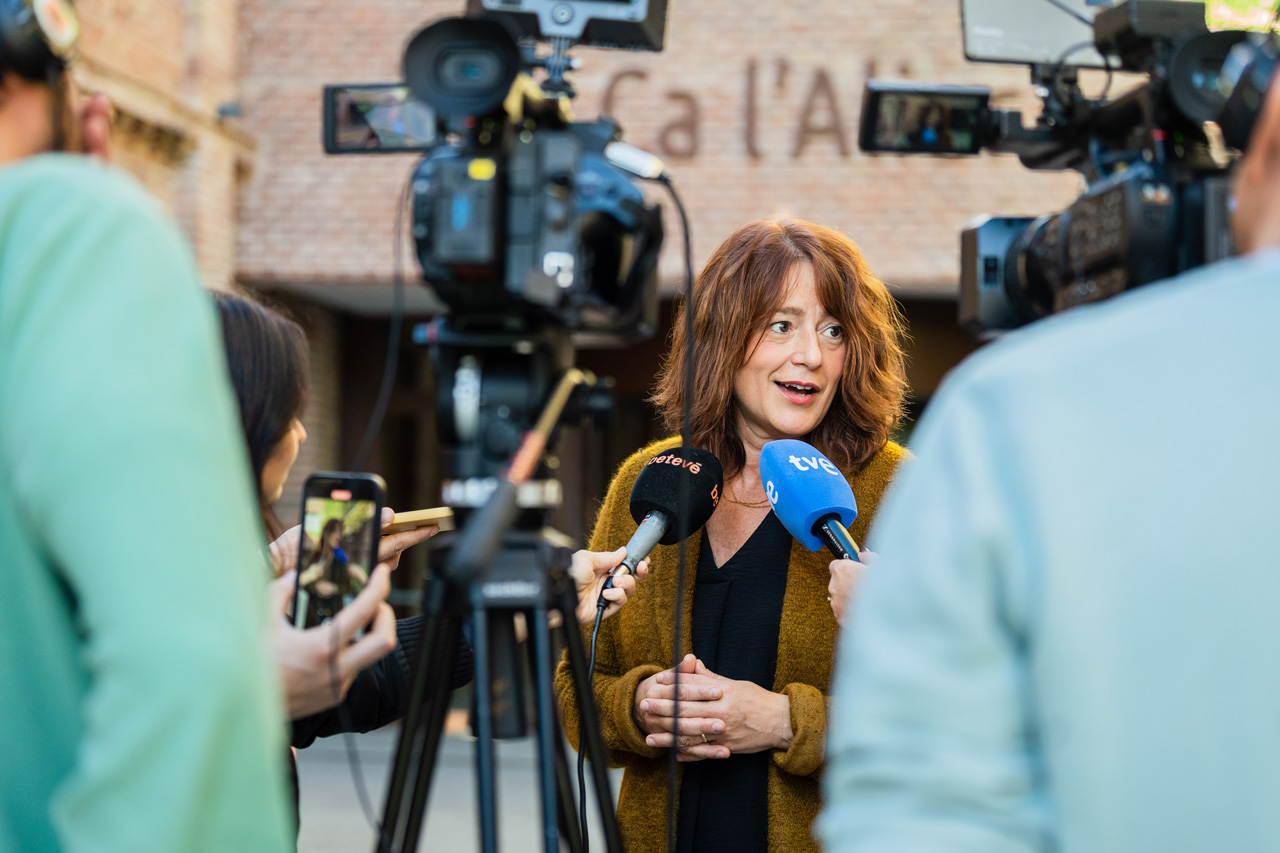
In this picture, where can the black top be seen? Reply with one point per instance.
(737, 611)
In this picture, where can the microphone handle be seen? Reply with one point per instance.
(651, 529)
(831, 531)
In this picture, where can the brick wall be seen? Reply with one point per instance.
(169, 67)
(308, 217)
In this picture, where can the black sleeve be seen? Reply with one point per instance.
(378, 694)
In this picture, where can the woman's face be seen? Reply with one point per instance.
(793, 367)
(276, 469)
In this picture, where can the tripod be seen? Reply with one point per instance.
(492, 572)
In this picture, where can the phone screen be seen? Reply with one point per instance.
(340, 521)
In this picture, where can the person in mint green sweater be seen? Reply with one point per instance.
(139, 708)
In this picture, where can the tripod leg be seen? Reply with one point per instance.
(486, 772)
(589, 722)
(437, 708)
(569, 828)
(430, 681)
(548, 730)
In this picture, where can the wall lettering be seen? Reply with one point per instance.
(807, 128)
(822, 110)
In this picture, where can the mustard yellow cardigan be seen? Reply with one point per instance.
(636, 643)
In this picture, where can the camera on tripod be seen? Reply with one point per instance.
(532, 229)
(1155, 159)
(521, 220)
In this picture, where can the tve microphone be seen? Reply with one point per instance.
(655, 500)
(810, 496)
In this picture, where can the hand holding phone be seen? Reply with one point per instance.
(317, 666)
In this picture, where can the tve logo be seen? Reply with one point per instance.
(813, 463)
(771, 492)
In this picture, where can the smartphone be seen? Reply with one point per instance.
(341, 515)
(930, 119)
(441, 516)
(377, 118)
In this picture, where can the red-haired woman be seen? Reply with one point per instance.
(794, 337)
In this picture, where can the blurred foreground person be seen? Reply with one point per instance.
(140, 709)
(1068, 642)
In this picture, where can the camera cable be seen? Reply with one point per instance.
(682, 565)
(650, 168)
(361, 460)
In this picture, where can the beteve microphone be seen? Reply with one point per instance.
(810, 496)
(655, 500)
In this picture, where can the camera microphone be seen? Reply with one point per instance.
(656, 501)
(810, 496)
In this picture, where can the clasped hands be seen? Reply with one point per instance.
(718, 716)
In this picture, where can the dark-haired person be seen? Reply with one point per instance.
(267, 358)
(795, 337)
(139, 709)
(269, 365)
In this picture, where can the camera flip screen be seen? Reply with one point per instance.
(942, 120)
(376, 118)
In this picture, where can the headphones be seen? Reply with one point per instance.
(37, 37)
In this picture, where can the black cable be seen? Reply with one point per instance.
(582, 754)
(686, 431)
(344, 721)
(362, 456)
(393, 339)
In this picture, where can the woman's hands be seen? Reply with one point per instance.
(718, 716)
(318, 665)
(590, 570)
(284, 551)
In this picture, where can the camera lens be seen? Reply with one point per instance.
(1194, 72)
(465, 72)
(460, 67)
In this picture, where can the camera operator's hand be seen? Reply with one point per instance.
(284, 551)
(590, 570)
(318, 665)
(845, 577)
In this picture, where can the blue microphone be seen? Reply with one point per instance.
(810, 496)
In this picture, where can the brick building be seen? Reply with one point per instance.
(754, 107)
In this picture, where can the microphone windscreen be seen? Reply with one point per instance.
(804, 486)
(659, 488)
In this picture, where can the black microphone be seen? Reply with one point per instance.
(656, 505)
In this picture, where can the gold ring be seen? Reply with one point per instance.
(704, 737)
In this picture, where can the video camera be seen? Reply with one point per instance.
(1155, 159)
(529, 226)
(523, 219)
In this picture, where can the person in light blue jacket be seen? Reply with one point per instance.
(1069, 640)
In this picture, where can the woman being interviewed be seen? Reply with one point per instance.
(795, 337)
